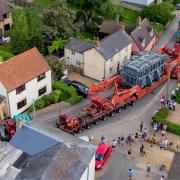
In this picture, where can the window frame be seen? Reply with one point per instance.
(40, 94)
(39, 78)
(20, 89)
(21, 106)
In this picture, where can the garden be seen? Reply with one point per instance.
(61, 92)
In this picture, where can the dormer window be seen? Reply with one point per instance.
(142, 41)
(150, 31)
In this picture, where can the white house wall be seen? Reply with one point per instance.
(143, 2)
(30, 93)
(76, 59)
(89, 173)
(117, 59)
(94, 64)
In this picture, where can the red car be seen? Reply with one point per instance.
(102, 154)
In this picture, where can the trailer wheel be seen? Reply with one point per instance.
(88, 126)
(96, 122)
(80, 130)
(118, 110)
(132, 103)
(104, 118)
(111, 114)
(57, 125)
(124, 107)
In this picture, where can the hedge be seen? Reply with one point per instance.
(60, 92)
(178, 97)
(161, 116)
(5, 55)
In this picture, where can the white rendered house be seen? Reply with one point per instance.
(23, 79)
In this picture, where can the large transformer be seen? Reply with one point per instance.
(143, 69)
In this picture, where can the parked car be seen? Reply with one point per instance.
(81, 88)
(102, 154)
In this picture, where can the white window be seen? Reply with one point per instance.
(73, 52)
(78, 63)
(110, 70)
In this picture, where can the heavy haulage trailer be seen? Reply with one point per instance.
(100, 108)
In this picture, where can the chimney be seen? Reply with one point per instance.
(121, 26)
(117, 19)
(96, 42)
(139, 21)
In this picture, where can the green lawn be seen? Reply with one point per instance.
(130, 17)
(43, 2)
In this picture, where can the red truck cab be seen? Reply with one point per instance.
(102, 154)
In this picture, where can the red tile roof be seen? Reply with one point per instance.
(22, 68)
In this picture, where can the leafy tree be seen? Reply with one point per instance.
(109, 10)
(35, 25)
(58, 20)
(160, 13)
(56, 45)
(19, 31)
(57, 67)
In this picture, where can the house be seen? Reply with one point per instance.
(138, 4)
(143, 36)
(23, 79)
(100, 59)
(44, 156)
(5, 17)
(3, 108)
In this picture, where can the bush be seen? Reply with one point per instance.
(5, 55)
(31, 109)
(47, 99)
(39, 104)
(161, 116)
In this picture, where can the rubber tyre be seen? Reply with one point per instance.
(104, 118)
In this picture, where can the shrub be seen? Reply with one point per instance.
(30, 109)
(39, 104)
(5, 55)
(47, 99)
(178, 97)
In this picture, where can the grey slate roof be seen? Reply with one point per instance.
(109, 27)
(60, 161)
(113, 43)
(4, 9)
(31, 141)
(142, 32)
(78, 45)
(1, 98)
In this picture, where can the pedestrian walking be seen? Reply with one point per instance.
(122, 140)
(162, 166)
(141, 126)
(153, 141)
(165, 144)
(114, 144)
(162, 177)
(163, 133)
(119, 141)
(145, 132)
(91, 138)
(161, 144)
(141, 149)
(103, 139)
(129, 152)
(148, 169)
(130, 174)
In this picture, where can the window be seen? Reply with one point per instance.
(21, 104)
(41, 77)
(78, 63)
(110, 70)
(42, 91)
(20, 89)
(73, 53)
(5, 16)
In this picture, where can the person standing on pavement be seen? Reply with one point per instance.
(148, 169)
(145, 132)
(130, 174)
(165, 144)
(162, 177)
(141, 126)
(142, 149)
(114, 143)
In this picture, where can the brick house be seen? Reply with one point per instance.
(5, 17)
(100, 59)
(23, 79)
(143, 36)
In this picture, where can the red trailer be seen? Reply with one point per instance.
(100, 108)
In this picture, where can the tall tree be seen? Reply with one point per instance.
(35, 30)
(58, 20)
(19, 31)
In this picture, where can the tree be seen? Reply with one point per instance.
(57, 68)
(19, 31)
(58, 20)
(110, 10)
(56, 45)
(35, 29)
(160, 13)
